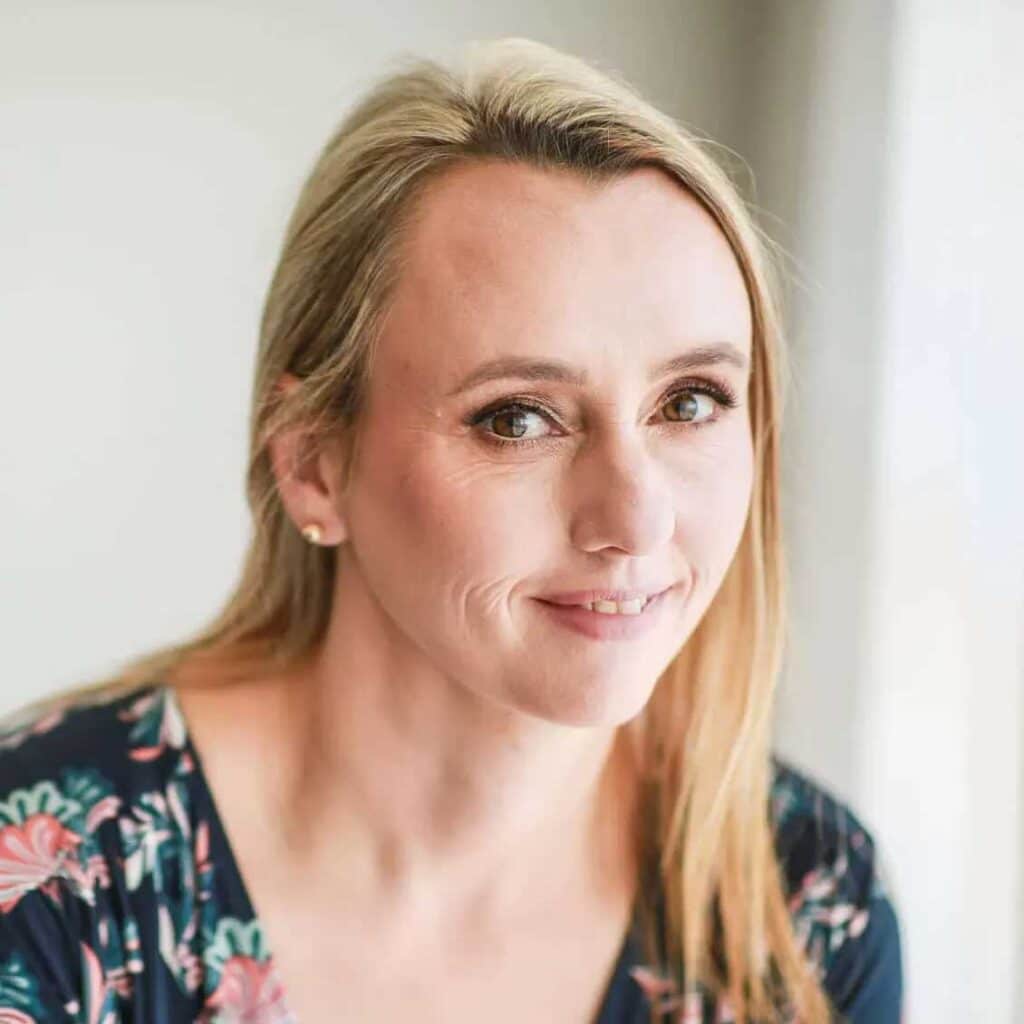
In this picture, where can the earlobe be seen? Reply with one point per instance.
(303, 468)
(304, 489)
(314, 533)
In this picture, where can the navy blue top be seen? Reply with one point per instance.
(121, 901)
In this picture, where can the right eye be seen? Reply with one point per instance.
(510, 424)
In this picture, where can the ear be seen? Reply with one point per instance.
(308, 479)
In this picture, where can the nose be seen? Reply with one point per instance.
(620, 498)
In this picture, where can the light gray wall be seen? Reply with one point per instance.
(816, 133)
(890, 140)
(1019, 955)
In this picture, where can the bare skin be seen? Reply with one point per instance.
(432, 815)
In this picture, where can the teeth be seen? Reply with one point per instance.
(634, 607)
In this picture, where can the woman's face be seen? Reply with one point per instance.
(528, 436)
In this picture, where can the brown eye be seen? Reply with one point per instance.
(509, 424)
(516, 419)
(685, 406)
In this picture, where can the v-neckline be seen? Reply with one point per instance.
(242, 905)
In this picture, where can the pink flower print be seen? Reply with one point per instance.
(726, 1014)
(249, 992)
(191, 966)
(13, 736)
(177, 952)
(858, 922)
(661, 992)
(32, 853)
(97, 872)
(95, 990)
(103, 810)
(159, 724)
(202, 847)
(121, 981)
(817, 885)
(8, 1015)
(653, 985)
(693, 1010)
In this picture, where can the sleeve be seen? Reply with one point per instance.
(842, 908)
(50, 970)
(865, 978)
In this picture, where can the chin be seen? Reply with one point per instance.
(590, 704)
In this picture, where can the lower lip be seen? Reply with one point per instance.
(599, 626)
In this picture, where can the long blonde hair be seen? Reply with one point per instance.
(703, 740)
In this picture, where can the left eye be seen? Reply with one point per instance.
(688, 406)
(517, 416)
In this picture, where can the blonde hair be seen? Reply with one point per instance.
(703, 741)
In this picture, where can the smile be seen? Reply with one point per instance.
(608, 620)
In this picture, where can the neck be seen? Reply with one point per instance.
(437, 795)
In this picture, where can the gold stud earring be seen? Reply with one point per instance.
(312, 533)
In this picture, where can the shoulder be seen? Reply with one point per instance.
(118, 891)
(70, 779)
(107, 738)
(85, 791)
(840, 899)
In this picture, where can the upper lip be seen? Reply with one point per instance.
(588, 596)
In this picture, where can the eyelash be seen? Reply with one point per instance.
(724, 395)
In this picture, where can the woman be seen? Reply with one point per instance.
(483, 732)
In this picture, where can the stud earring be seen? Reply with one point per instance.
(312, 533)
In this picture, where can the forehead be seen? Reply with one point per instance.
(507, 259)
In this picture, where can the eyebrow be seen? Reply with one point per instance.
(525, 368)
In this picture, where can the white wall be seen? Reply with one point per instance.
(888, 137)
(817, 132)
(941, 740)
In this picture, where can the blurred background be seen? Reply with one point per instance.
(149, 155)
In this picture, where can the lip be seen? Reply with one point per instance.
(599, 626)
(589, 596)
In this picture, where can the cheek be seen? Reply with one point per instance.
(716, 501)
(454, 527)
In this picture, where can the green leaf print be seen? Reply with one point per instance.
(19, 990)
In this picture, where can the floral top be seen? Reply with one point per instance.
(121, 901)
